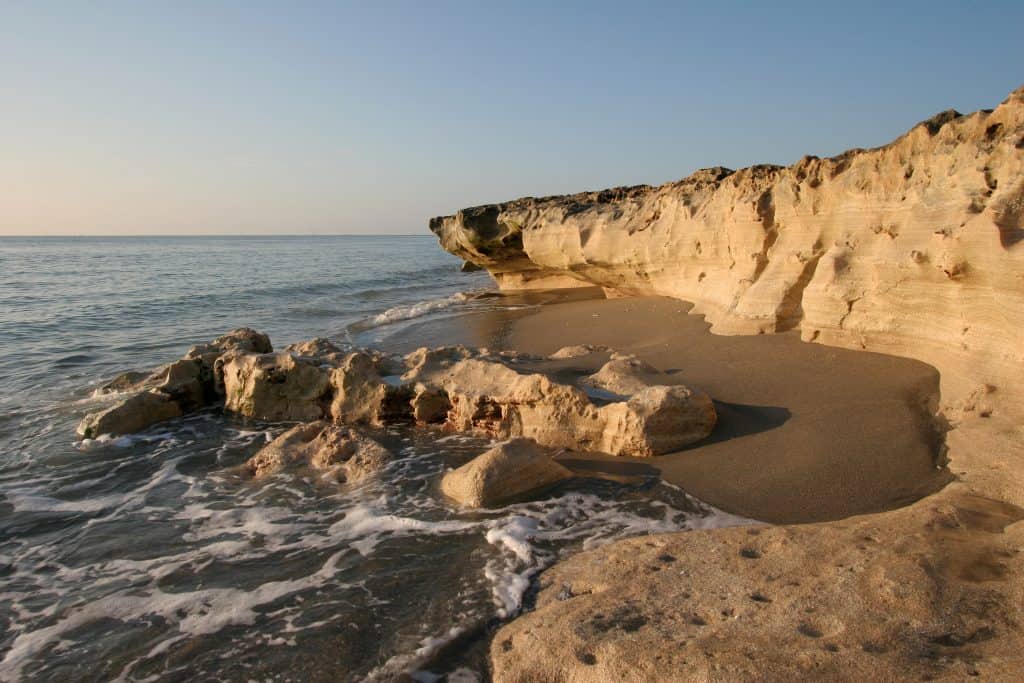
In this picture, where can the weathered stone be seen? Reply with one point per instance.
(509, 471)
(322, 446)
(360, 395)
(656, 420)
(127, 382)
(274, 386)
(133, 414)
(319, 348)
(429, 406)
(490, 397)
(187, 382)
(625, 376)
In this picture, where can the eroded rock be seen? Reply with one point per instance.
(487, 396)
(625, 376)
(509, 471)
(130, 415)
(321, 445)
(274, 386)
(460, 389)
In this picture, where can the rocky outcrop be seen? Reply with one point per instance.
(171, 390)
(133, 414)
(510, 471)
(931, 592)
(275, 386)
(912, 249)
(341, 451)
(489, 395)
(456, 388)
(915, 248)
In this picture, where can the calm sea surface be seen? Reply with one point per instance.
(145, 558)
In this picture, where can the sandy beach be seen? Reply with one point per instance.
(806, 433)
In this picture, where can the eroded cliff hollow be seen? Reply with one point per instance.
(915, 248)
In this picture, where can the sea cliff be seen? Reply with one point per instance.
(915, 249)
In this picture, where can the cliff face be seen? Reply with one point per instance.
(915, 248)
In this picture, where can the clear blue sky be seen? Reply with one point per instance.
(248, 117)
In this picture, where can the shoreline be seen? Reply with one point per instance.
(806, 433)
(908, 571)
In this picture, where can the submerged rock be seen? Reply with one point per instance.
(509, 471)
(321, 445)
(130, 415)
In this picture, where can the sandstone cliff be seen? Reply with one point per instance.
(915, 248)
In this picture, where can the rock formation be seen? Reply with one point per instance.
(915, 249)
(507, 472)
(457, 388)
(324, 446)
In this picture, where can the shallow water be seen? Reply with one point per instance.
(147, 558)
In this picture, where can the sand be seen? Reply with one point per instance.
(807, 433)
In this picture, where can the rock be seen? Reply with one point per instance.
(322, 446)
(242, 339)
(133, 414)
(319, 348)
(489, 397)
(625, 375)
(274, 386)
(575, 351)
(127, 382)
(658, 419)
(429, 405)
(362, 396)
(189, 383)
(507, 472)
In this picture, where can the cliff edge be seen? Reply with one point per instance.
(914, 249)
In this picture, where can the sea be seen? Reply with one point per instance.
(149, 558)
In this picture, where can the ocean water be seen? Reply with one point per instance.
(149, 558)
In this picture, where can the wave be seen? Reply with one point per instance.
(410, 311)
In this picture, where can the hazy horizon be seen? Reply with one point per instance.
(324, 119)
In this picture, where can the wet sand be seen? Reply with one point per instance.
(806, 432)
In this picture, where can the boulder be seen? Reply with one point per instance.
(133, 414)
(625, 376)
(361, 395)
(576, 351)
(274, 386)
(189, 383)
(511, 470)
(242, 340)
(657, 420)
(319, 348)
(321, 445)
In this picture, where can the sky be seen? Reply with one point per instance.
(318, 118)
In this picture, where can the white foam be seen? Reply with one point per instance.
(195, 613)
(399, 313)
